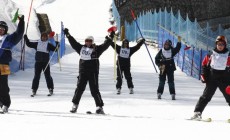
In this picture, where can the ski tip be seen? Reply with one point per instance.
(88, 112)
(228, 120)
(209, 119)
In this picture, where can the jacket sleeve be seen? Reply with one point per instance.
(136, 48)
(31, 44)
(118, 47)
(158, 58)
(74, 44)
(16, 36)
(101, 48)
(205, 68)
(51, 47)
(176, 49)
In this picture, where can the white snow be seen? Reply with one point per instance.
(140, 116)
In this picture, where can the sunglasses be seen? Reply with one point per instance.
(88, 40)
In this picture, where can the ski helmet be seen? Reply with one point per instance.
(90, 38)
(4, 25)
(125, 41)
(221, 38)
(169, 42)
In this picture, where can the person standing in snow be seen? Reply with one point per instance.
(7, 42)
(165, 62)
(216, 74)
(88, 68)
(123, 63)
(42, 47)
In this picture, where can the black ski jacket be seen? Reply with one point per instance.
(169, 63)
(40, 56)
(93, 64)
(125, 62)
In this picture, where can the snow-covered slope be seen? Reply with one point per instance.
(131, 117)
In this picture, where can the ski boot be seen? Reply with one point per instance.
(118, 90)
(196, 116)
(50, 92)
(158, 95)
(131, 91)
(100, 110)
(74, 108)
(4, 109)
(1, 104)
(33, 93)
(173, 96)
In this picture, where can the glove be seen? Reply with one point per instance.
(202, 78)
(21, 18)
(57, 43)
(66, 31)
(141, 40)
(51, 34)
(227, 90)
(179, 38)
(112, 34)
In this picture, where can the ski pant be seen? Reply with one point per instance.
(162, 79)
(128, 77)
(4, 91)
(208, 93)
(84, 77)
(39, 67)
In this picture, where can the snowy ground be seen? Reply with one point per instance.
(131, 117)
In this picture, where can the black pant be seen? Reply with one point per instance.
(4, 91)
(39, 66)
(162, 79)
(208, 93)
(128, 77)
(84, 77)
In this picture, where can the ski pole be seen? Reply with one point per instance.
(51, 57)
(21, 65)
(134, 18)
(58, 52)
(115, 56)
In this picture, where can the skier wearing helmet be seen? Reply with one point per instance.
(7, 42)
(215, 74)
(165, 62)
(123, 63)
(88, 69)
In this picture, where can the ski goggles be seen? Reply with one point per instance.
(2, 28)
(89, 40)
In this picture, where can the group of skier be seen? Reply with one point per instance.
(215, 66)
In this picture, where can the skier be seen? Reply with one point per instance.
(215, 74)
(7, 42)
(42, 47)
(165, 62)
(123, 63)
(88, 68)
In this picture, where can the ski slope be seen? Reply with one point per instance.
(130, 117)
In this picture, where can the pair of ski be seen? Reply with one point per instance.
(50, 94)
(206, 120)
(89, 112)
(201, 120)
